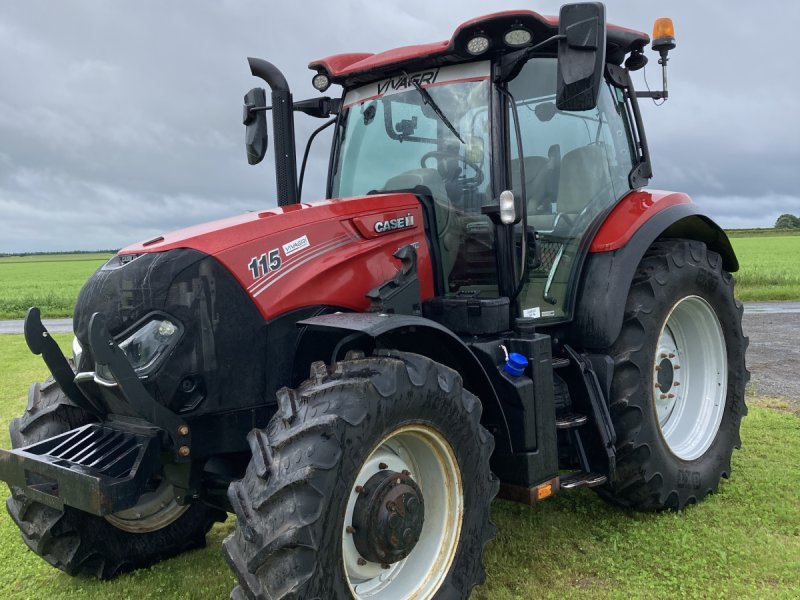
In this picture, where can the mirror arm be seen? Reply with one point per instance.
(321, 108)
(511, 64)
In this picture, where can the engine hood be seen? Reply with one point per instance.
(327, 253)
(221, 235)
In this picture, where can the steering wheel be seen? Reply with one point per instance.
(466, 182)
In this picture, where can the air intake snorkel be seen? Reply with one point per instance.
(283, 125)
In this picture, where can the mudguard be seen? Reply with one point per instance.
(616, 252)
(327, 337)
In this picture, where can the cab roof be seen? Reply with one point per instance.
(361, 67)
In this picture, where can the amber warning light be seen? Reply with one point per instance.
(663, 35)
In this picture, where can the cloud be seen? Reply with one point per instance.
(122, 120)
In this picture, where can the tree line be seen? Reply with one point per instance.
(787, 221)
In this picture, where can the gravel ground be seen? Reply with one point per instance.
(773, 356)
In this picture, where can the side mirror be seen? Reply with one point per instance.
(255, 120)
(581, 55)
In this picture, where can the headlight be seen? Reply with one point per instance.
(147, 346)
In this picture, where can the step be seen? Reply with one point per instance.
(581, 479)
(559, 362)
(570, 420)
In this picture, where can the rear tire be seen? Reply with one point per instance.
(677, 394)
(321, 460)
(80, 543)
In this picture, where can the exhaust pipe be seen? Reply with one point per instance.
(283, 129)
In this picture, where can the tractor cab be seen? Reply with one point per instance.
(485, 113)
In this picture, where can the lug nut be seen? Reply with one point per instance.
(361, 561)
(183, 451)
(350, 529)
(383, 466)
(406, 472)
(360, 489)
(662, 396)
(676, 383)
(676, 366)
(183, 430)
(670, 395)
(384, 566)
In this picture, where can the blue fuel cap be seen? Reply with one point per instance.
(515, 365)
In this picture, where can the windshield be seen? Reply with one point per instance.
(395, 136)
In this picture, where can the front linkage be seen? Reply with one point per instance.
(99, 468)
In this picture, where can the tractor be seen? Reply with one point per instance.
(488, 302)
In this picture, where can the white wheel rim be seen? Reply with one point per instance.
(426, 455)
(690, 378)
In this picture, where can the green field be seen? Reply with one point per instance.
(769, 260)
(744, 542)
(769, 267)
(49, 281)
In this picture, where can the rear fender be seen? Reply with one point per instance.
(608, 273)
(328, 337)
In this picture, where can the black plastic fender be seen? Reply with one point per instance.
(607, 276)
(328, 337)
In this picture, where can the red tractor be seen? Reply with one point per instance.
(488, 300)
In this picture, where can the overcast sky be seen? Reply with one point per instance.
(122, 120)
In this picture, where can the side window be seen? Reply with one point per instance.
(573, 161)
(575, 166)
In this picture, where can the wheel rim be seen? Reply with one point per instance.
(154, 511)
(421, 454)
(690, 378)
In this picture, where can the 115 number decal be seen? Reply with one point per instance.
(261, 265)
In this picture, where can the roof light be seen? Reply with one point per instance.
(321, 82)
(517, 37)
(478, 45)
(663, 35)
(663, 27)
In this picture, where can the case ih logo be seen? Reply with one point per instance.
(392, 224)
(403, 82)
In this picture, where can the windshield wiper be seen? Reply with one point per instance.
(426, 98)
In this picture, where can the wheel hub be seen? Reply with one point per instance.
(388, 517)
(666, 374)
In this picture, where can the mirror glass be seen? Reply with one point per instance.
(581, 55)
(255, 121)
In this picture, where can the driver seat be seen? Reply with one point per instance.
(584, 176)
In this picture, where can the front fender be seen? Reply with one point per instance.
(326, 337)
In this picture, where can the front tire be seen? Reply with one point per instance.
(80, 543)
(378, 446)
(677, 394)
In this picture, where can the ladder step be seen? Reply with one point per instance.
(559, 362)
(581, 479)
(570, 420)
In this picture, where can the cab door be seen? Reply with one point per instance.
(576, 167)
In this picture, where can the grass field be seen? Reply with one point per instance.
(769, 260)
(744, 542)
(51, 282)
(769, 267)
